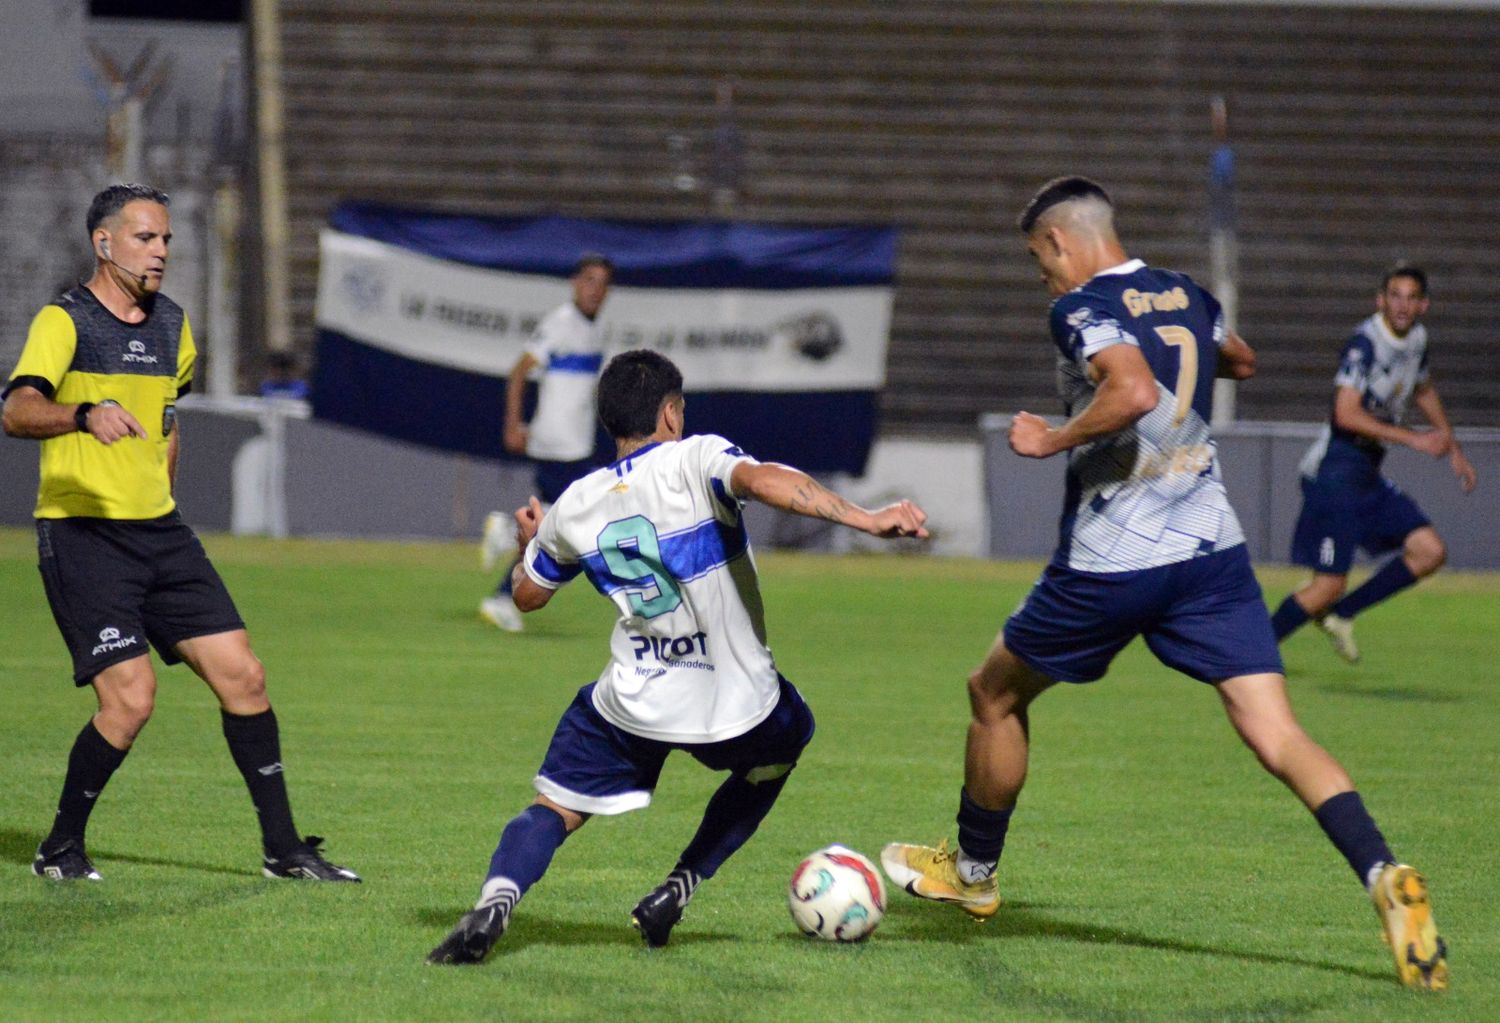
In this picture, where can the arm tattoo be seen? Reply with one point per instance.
(811, 498)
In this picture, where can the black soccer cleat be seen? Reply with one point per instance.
(471, 940)
(68, 862)
(306, 862)
(656, 915)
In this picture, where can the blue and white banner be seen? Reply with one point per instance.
(780, 332)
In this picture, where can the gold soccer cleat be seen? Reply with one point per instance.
(1340, 632)
(930, 873)
(1400, 896)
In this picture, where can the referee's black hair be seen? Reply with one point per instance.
(1059, 190)
(632, 389)
(113, 199)
(589, 259)
(1405, 269)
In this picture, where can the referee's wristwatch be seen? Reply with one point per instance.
(81, 414)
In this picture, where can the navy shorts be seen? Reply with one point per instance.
(116, 585)
(593, 767)
(552, 478)
(1204, 617)
(1339, 515)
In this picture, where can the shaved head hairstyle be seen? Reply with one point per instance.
(1065, 190)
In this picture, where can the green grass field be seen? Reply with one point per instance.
(1154, 872)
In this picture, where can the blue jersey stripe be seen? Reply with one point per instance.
(685, 555)
(552, 570)
(575, 362)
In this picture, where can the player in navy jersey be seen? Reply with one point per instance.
(1346, 502)
(659, 532)
(1148, 546)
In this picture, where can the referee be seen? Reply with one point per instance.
(97, 384)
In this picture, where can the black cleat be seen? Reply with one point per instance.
(471, 940)
(305, 862)
(68, 862)
(656, 915)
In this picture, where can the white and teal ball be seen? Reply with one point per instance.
(837, 895)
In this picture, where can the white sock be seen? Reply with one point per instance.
(973, 871)
(1374, 875)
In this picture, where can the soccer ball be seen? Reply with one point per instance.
(837, 895)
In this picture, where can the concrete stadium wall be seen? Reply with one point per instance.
(253, 467)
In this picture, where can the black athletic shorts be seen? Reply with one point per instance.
(115, 585)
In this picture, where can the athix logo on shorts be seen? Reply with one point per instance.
(1325, 551)
(137, 353)
(109, 640)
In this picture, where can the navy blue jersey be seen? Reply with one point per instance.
(1150, 494)
(1386, 371)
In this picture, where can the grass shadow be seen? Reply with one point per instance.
(20, 847)
(527, 930)
(937, 924)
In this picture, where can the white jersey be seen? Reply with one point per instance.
(659, 532)
(570, 350)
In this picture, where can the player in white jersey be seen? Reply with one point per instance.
(566, 351)
(1346, 502)
(1149, 546)
(660, 533)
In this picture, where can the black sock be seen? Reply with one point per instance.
(1352, 831)
(255, 744)
(90, 764)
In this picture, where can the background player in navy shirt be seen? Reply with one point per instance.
(1148, 546)
(1346, 502)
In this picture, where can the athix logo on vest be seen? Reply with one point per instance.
(109, 640)
(137, 353)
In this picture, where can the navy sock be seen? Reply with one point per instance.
(981, 832)
(1392, 578)
(1350, 828)
(506, 581)
(526, 847)
(1289, 617)
(255, 744)
(91, 762)
(730, 818)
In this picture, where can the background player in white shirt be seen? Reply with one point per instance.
(660, 533)
(1346, 502)
(568, 349)
(1150, 547)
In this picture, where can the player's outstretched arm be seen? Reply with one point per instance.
(793, 490)
(1126, 391)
